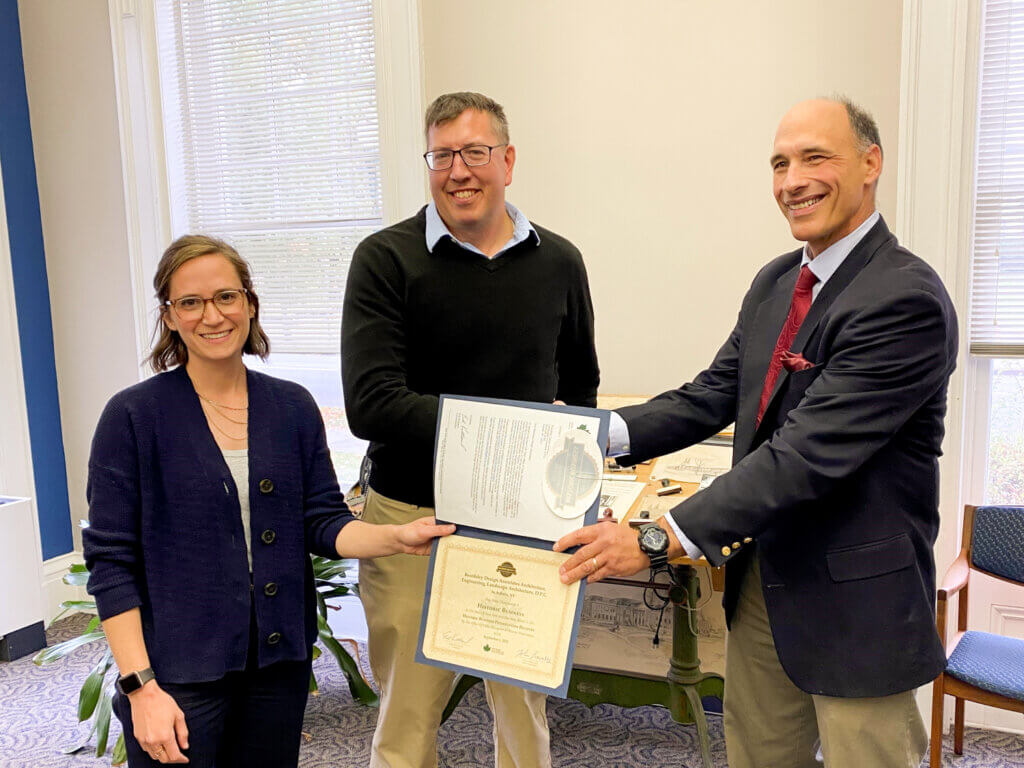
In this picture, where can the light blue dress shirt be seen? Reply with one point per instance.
(521, 230)
(824, 265)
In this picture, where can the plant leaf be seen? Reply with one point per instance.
(77, 568)
(88, 606)
(337, 591)
(59, 651)
(94, 624)
(103, 722)
(361, 691)
(85, 741)
(322, 568)
(317, 652)
(313, 687)
(79, 605)
(77, 746)
(120, 756)
(76, 578)
(92, 686)
(331, 571)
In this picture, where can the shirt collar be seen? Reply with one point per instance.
(827, 262)
(522, 229)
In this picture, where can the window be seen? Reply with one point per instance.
(996, 326)
(272, 144)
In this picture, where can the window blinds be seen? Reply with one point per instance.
(270, 120)
(997, 293)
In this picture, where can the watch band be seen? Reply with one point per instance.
(134, 680)
(658, 561)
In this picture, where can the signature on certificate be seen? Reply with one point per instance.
(455, 639)
(532, 658)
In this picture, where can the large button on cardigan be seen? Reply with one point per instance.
(166, 535)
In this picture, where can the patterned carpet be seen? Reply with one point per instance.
(37, 719)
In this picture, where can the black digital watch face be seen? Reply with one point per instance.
(654, 538)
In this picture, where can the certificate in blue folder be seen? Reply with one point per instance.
(514, 477)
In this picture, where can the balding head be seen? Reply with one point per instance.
(824, 171)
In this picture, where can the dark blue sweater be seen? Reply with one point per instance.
(165, 532)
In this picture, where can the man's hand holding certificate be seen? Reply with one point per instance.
(514, 477)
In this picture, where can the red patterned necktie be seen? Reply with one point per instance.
(797, 312)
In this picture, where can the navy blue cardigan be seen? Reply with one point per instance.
(165, 533)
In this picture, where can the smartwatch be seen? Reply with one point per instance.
(654, 544)
(132, 682)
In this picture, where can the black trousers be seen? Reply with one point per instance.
(251, 718)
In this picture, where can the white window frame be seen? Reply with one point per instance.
(144, 164)
(935, 183)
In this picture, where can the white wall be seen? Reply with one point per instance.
(70, 80)
(643, 133)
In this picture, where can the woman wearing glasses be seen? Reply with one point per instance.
(209, 484)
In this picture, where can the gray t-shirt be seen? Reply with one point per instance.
(238, 464)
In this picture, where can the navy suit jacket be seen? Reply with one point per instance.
(165, 533)
(837, 490)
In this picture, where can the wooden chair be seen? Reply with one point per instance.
(981, 667)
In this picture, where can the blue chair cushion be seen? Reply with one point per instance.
(990, 662)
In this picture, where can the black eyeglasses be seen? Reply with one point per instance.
(473, 155)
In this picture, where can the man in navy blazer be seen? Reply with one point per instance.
(835, 376)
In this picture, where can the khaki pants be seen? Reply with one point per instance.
(413, 695)
(770, 723)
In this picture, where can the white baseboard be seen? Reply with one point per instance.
(55, 591)
(1003, 727)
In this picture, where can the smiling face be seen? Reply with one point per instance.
(213, 337)
(824, 184)
(471, 200)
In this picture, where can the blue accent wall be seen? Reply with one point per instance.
(31, 291)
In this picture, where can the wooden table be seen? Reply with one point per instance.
(685, 685)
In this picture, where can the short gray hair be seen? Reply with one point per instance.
(449, 106)
(864, 127)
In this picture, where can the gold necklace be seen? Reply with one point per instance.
(224, 415)
(221, 405)
(244, 437)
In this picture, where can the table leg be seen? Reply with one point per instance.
(686, 681)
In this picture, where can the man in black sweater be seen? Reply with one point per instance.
(466, 297)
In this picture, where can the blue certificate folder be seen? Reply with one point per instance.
(589, 517)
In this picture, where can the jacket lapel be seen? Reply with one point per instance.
(759, 345)
(841, 278)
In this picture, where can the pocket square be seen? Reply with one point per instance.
(795, 362)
